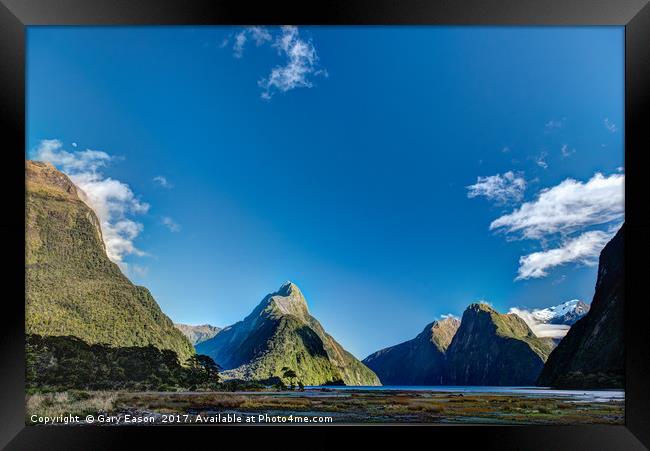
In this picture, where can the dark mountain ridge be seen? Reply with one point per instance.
(491, 348)
(591, 355)
(420, 361)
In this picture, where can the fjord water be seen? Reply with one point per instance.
(574, 395)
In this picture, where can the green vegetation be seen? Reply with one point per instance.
(288, 373)
(66, 363)
(72, 288)
(73, 402)
(356, 406)
(281, 333)
(490, 348)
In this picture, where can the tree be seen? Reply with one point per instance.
(290, 374)
(202, 370)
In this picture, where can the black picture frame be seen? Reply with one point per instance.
(15, 15)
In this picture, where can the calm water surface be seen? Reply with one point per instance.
(575, 395)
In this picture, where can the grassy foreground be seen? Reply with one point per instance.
(343, 407)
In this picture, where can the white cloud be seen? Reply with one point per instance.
(565, 208)
(499, 188)
(540, 329)
(162, 181)
(112, 200)
(609, 125)
(171, 224)
(567, 151)
(300, 54)
(541, 160)
(301, 63)
(449, 315)
(259, 35)
(238, 46)
(583, 249)
(51, 150)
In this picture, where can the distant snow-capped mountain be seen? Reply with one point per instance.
(566, 313)
(553, 322)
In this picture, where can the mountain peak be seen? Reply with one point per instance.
(278, 333)
(480, 307)
(287, 289)
(442, 331)
(44, 177)
(566, 313)
(485, 336)
(287, 300)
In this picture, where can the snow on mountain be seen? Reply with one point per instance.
(553, 321)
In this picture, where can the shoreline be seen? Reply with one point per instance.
(348, 406)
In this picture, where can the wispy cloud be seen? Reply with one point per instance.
(582, 250)
(567, 151)
(171, 224)
(301, 63)
(559, 280)
(610, 126)
(301, 59)
(162, 181)
(140, 271)
(539, 328)
(559, 213)
(500, 188)
(112, 200)
(540, 160)
(51, 150)
(565, 208)
(554, 124)
(449, 315)
(259, 35)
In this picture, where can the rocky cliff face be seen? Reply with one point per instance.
(280, 332)
(72, 288)
(490, 348)
(591, 355)
(198, 334)
(420, 361)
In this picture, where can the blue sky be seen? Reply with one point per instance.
(366, 164)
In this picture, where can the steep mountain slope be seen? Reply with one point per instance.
(197, 334)
(280, 332)
(592, 352)
(72, 288)
(490, 348)
(420, 361)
